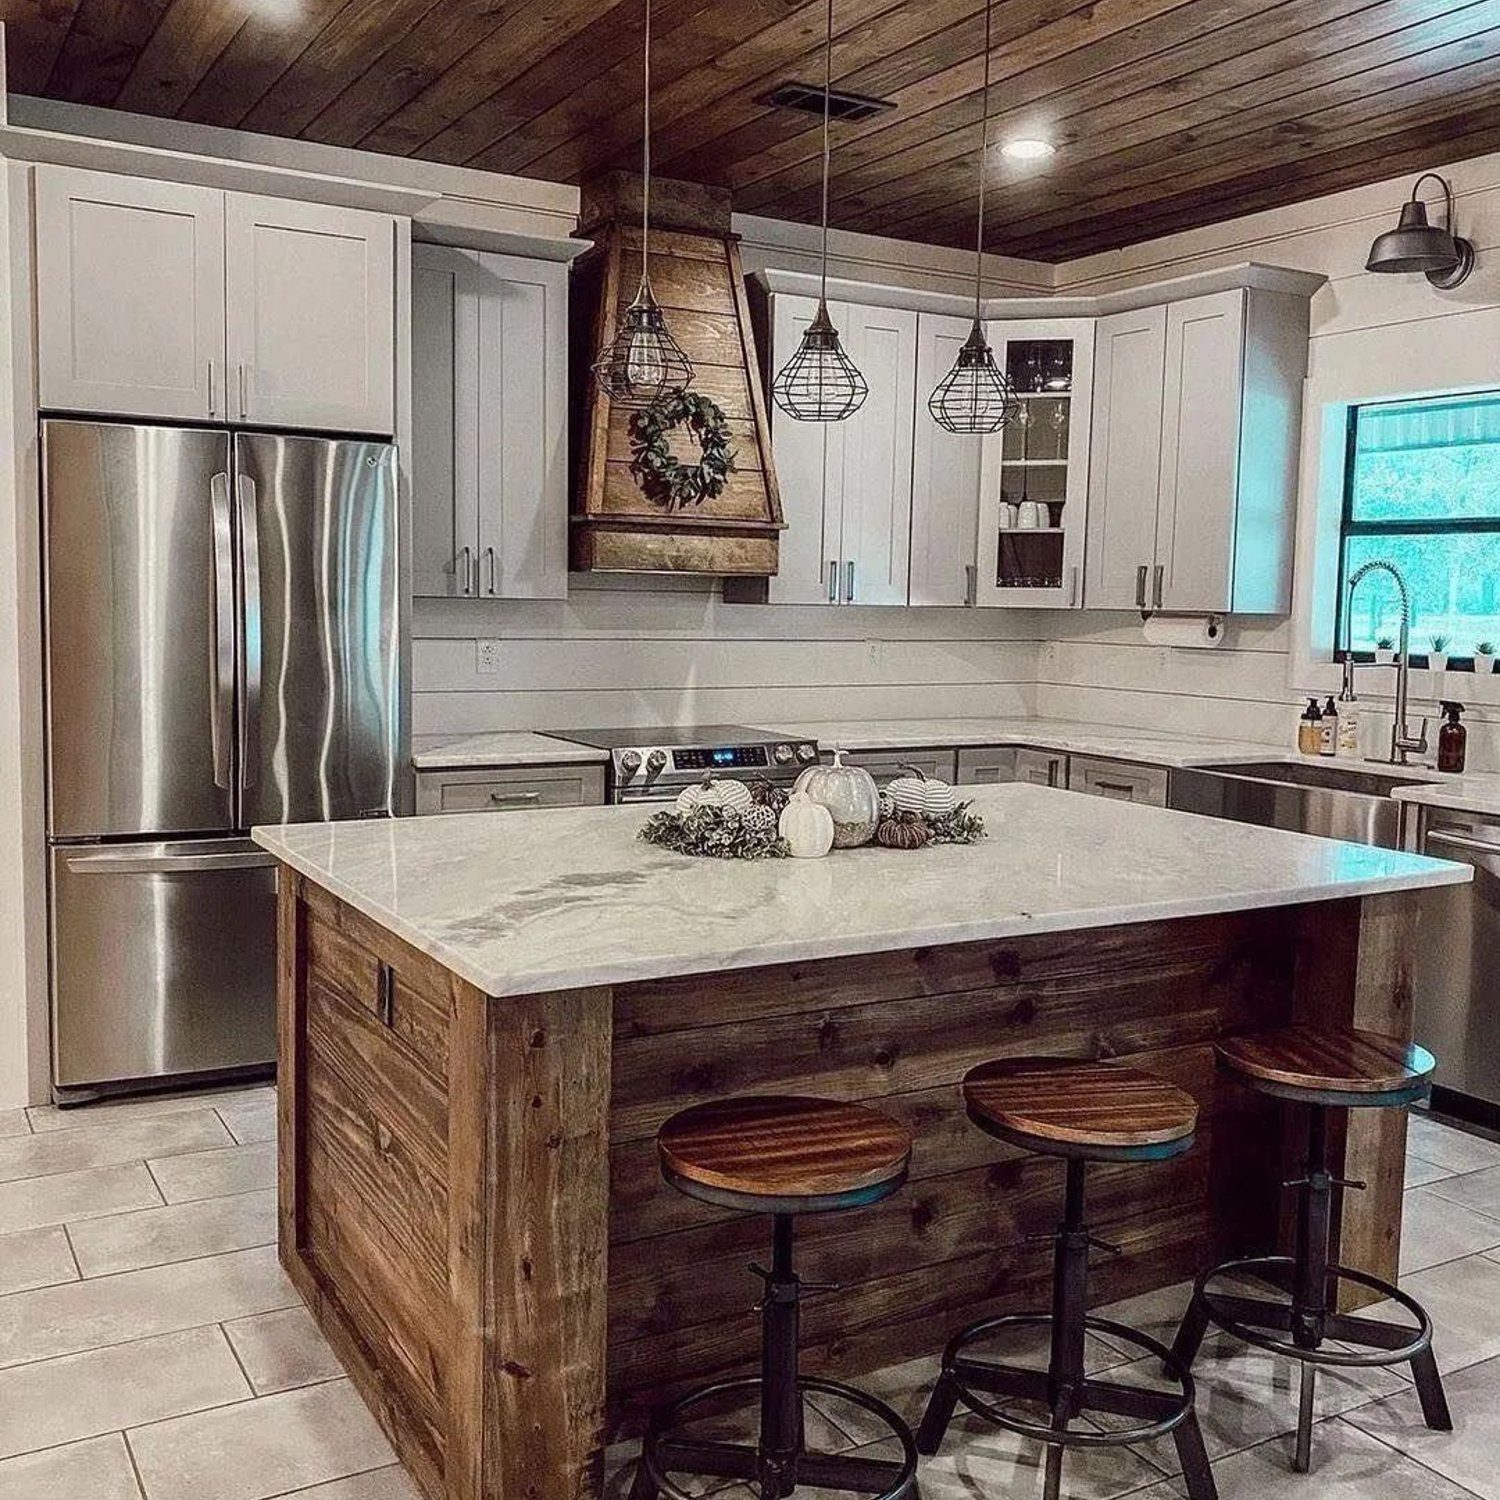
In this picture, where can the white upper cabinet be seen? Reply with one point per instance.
(160, 300)
(311, 314)
(130, 295)
(489, 464)
(846, 486)
(1033, 498)
(1196, 426)
(945, 478)
(1129, 368)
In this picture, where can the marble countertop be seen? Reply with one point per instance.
(507, 748)
(567, 897)
(1478, 792)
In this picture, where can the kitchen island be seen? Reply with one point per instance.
(484, 1021)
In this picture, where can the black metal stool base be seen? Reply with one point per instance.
(663, 1453)
(1064, 1389)
(1311, 1316)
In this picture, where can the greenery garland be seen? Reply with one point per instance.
(664, 478)
(718, 832)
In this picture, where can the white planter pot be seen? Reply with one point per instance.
(1384, 657)
(1484, 664)
(1437, 661)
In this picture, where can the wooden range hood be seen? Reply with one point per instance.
(699, 282)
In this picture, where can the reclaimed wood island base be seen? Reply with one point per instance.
(471, 1206)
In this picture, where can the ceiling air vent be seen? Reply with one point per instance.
(841, 106)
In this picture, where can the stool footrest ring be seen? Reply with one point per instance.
(1248, 1318)
(664, 1452)
(975, 1381)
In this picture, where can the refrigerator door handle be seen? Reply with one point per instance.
(221, 589)
(250, 630)
(166, 864)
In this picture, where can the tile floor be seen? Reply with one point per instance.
(151, 1349)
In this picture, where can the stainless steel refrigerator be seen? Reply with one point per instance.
(221, 651)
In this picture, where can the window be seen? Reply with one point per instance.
(1422, 490)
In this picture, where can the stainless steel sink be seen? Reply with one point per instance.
(1337, 801)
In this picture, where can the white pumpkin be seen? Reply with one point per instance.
(850, 795)
(807, 826)
(715, 793)
(923, 794)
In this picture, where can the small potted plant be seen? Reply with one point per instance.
(1385, 652)
(1437, 655)
(1484, 656)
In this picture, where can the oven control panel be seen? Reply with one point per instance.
(662, 770)
(722, 758)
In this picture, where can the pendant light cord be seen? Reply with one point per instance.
(646, 149)
(984, 151)
(827, 89)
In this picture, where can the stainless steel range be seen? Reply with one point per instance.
(653, 765)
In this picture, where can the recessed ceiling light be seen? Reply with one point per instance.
(1027, 148)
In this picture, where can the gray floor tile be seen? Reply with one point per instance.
(1156, 1314)
(107, 1111)
(136, 1304)
(283, 1349)
(272, 1446)
(35, 1257)
(57, 1401)
(1470, 1454)
(181, 1231)
(99, 1469)
(1445, 1146)
(107, 1145)
(1435, 1230)
(1419, 1173)
(216, 1174)
(37, 1201)
(1463, 1300)
(251, 1119)
(1479, 1191)
(14, 1122)
(1347, 1465)
(379, 1484)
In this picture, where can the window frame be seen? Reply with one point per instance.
(1348, 527)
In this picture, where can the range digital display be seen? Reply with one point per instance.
(737, 757)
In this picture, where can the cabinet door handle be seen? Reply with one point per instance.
(971, 584)
(506, 799)
(849, 586)
(386, 994)
(461, 570)
(242, 390)
(489, 553)
(1052, 766)
(1140, 586)
(833, 583)
(212, 410)
(1073, 587)
(1156, 585)
(1125, 787)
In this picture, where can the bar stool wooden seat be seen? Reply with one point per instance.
(1321, 1070)
(1081, 1111)
(782, 1156)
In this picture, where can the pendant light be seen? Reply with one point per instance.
(643, 362)
(975, 396)
(820, 383)
(1416, 245)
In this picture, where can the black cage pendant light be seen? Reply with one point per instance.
(643, 362)
(975, 396)
(820, 383)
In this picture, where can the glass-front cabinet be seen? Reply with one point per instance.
(1034, 478)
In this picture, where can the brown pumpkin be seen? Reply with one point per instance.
(903, 830)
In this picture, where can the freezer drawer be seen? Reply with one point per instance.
(163, 959)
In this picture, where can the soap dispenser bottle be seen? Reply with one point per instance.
(1310, 729)
(1328, 738)
(1453, 740)
(1348, 720)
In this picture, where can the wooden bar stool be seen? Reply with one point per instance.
(1082, 1112)
(1323, 1070)
(781, 1156)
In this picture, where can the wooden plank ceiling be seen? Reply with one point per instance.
(1165, 113)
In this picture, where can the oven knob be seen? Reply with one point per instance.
(807, 752)
(630, 762)
(782, 754)
(656, 762)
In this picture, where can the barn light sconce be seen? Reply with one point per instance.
(1416, 245)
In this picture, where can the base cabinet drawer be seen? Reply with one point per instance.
(887, 765)
(986, 767)
(1122, 780)
(509, 790)
(1042, 767)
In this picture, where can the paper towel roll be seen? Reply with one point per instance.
(1200, 632)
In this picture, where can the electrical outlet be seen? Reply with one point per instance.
(872, 655)
(487, 656)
